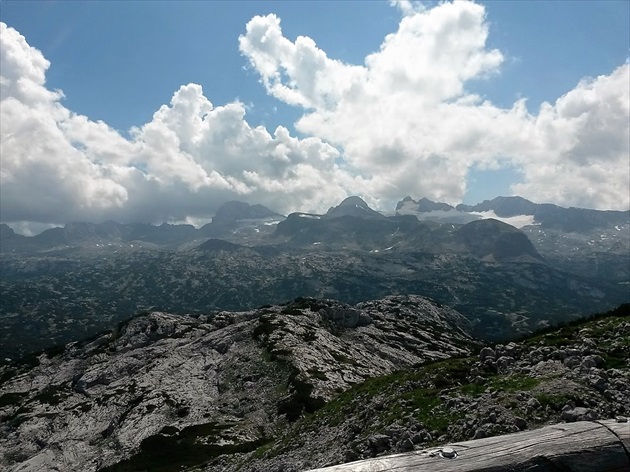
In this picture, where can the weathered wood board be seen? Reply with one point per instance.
(585, 446)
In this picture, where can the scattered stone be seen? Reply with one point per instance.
(579, 414)
(533, 403)
(379, 443)
(520, 423)
(406, 445)
(571, 362)
(487, 353)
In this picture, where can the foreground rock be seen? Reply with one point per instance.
(580, 372)
(165, 391)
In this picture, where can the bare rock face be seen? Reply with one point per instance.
(502, 389)
(207, 385)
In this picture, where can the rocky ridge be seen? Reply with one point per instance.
(352, 206)
(580, 372)
(551, 216)
(167, 390)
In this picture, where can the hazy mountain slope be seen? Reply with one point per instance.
(67, 283)
(496, 241)
(590, 243)
(63, 296)
(233, 220)
(240, 221)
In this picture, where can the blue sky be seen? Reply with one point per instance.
(138, 53)
(119, 62)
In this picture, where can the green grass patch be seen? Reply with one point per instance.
(615, 360)
(473, 389)
(564, 333)
(556, 402)
(514, 383)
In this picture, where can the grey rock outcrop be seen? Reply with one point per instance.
(463, 399)
(233, 379)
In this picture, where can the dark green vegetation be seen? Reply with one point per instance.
(59, 296)
(68, 283)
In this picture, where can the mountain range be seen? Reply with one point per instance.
(233, 216)
(71, 282)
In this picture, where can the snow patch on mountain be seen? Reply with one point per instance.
(410, 207)
(517, 221)
(451, 215)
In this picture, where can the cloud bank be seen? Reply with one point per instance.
(58, 166)
(405, 121)
(401, 123)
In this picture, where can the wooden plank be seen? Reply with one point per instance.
(585, 446)
(622, 430)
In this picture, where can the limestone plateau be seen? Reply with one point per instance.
(307, 384)
(508, 265)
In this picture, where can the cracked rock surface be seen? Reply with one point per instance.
(208, 386)
(575, 373)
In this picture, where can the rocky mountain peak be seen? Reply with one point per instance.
(426, 205)
(234, 210)
(407, 200)
(494, 240)
(353, 206)
(354, 201)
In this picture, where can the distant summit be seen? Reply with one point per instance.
(503, 206)
(516, 211)
(425, 205)
(233, 211)
(234, 215)
(548, 215)
(353, 206)
(428, 210)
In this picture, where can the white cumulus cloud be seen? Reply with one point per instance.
(58, 166)
(406, 123)
(402, 122)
